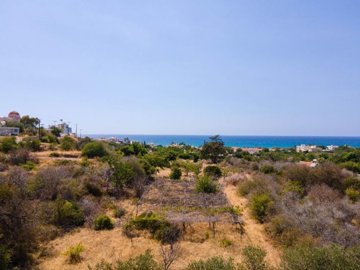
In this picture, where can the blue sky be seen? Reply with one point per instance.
(281, 67)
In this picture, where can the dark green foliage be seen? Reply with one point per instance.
(94, 149)
(167, 234)
(31, 144)
(213, 263)
(17, 226)
(103, 222)
(267, 169)
(134, 148)
(351, 166)
(213, 171)
(213, 150)
(68, 214)
(175, 173)
(261, 205)
(8, 144)
(5, 258)
(93, 189)
(254, 258)
(161, 229)
(206, 185)
(321, 258)
(142, 262)
(67, 143)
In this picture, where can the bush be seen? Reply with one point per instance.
(175, 173)
(206, 185)
(267, 169)
(142, 262)
(74, 254)
(213, 171)
(103, 222)
(351, 166)
(353, 194)
(257, 185)
(331, 257)
(260, 206)
(160, 229)
(68, 214)
(167, 234)
(94, 149)
(214, 263)
(68, 143)
(254, 258)
(19, 156)
(283, 231)
(8, 144)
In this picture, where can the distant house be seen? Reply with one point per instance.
(305, 148)
(9, 131)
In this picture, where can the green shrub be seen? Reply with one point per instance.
(167, 234)
(29, 166)
(94, 149)
(213, 171)
(353, 194)
(214, 263)
(5, 258)
(225, 243)
(8, 144)
(175, 173)
(260, 206)
(329, 257)
(160, 229)
(142, 262)
(93, 189)
(68, 214)
(74, 254)
(206, 185)
(103, 222)
(352, 166)
(67, 143)
(267, 169)
(254, 258)
(294, 186)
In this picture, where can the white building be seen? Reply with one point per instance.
(305, 148)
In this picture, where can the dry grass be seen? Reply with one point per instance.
(198, 242)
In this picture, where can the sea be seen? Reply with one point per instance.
(238, 141)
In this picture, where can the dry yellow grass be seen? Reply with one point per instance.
(198, 242)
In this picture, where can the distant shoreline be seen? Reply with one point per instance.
(239, 141)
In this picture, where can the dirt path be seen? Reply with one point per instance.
(254, 231)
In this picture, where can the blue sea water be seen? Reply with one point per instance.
(239, 141)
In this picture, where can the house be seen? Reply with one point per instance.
(9, 131)
(305, 148)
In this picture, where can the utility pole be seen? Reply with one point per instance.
(39, 129)
(76, 131)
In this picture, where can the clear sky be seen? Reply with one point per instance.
(230, 67)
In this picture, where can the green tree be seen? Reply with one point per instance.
(68, 143)
(214, 149)
(94, 149)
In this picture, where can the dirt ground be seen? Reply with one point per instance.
(198, 243)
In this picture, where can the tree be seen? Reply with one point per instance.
(68, 143)
(175, 173)
(94, 149)
(214, 149)
(169, 255)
